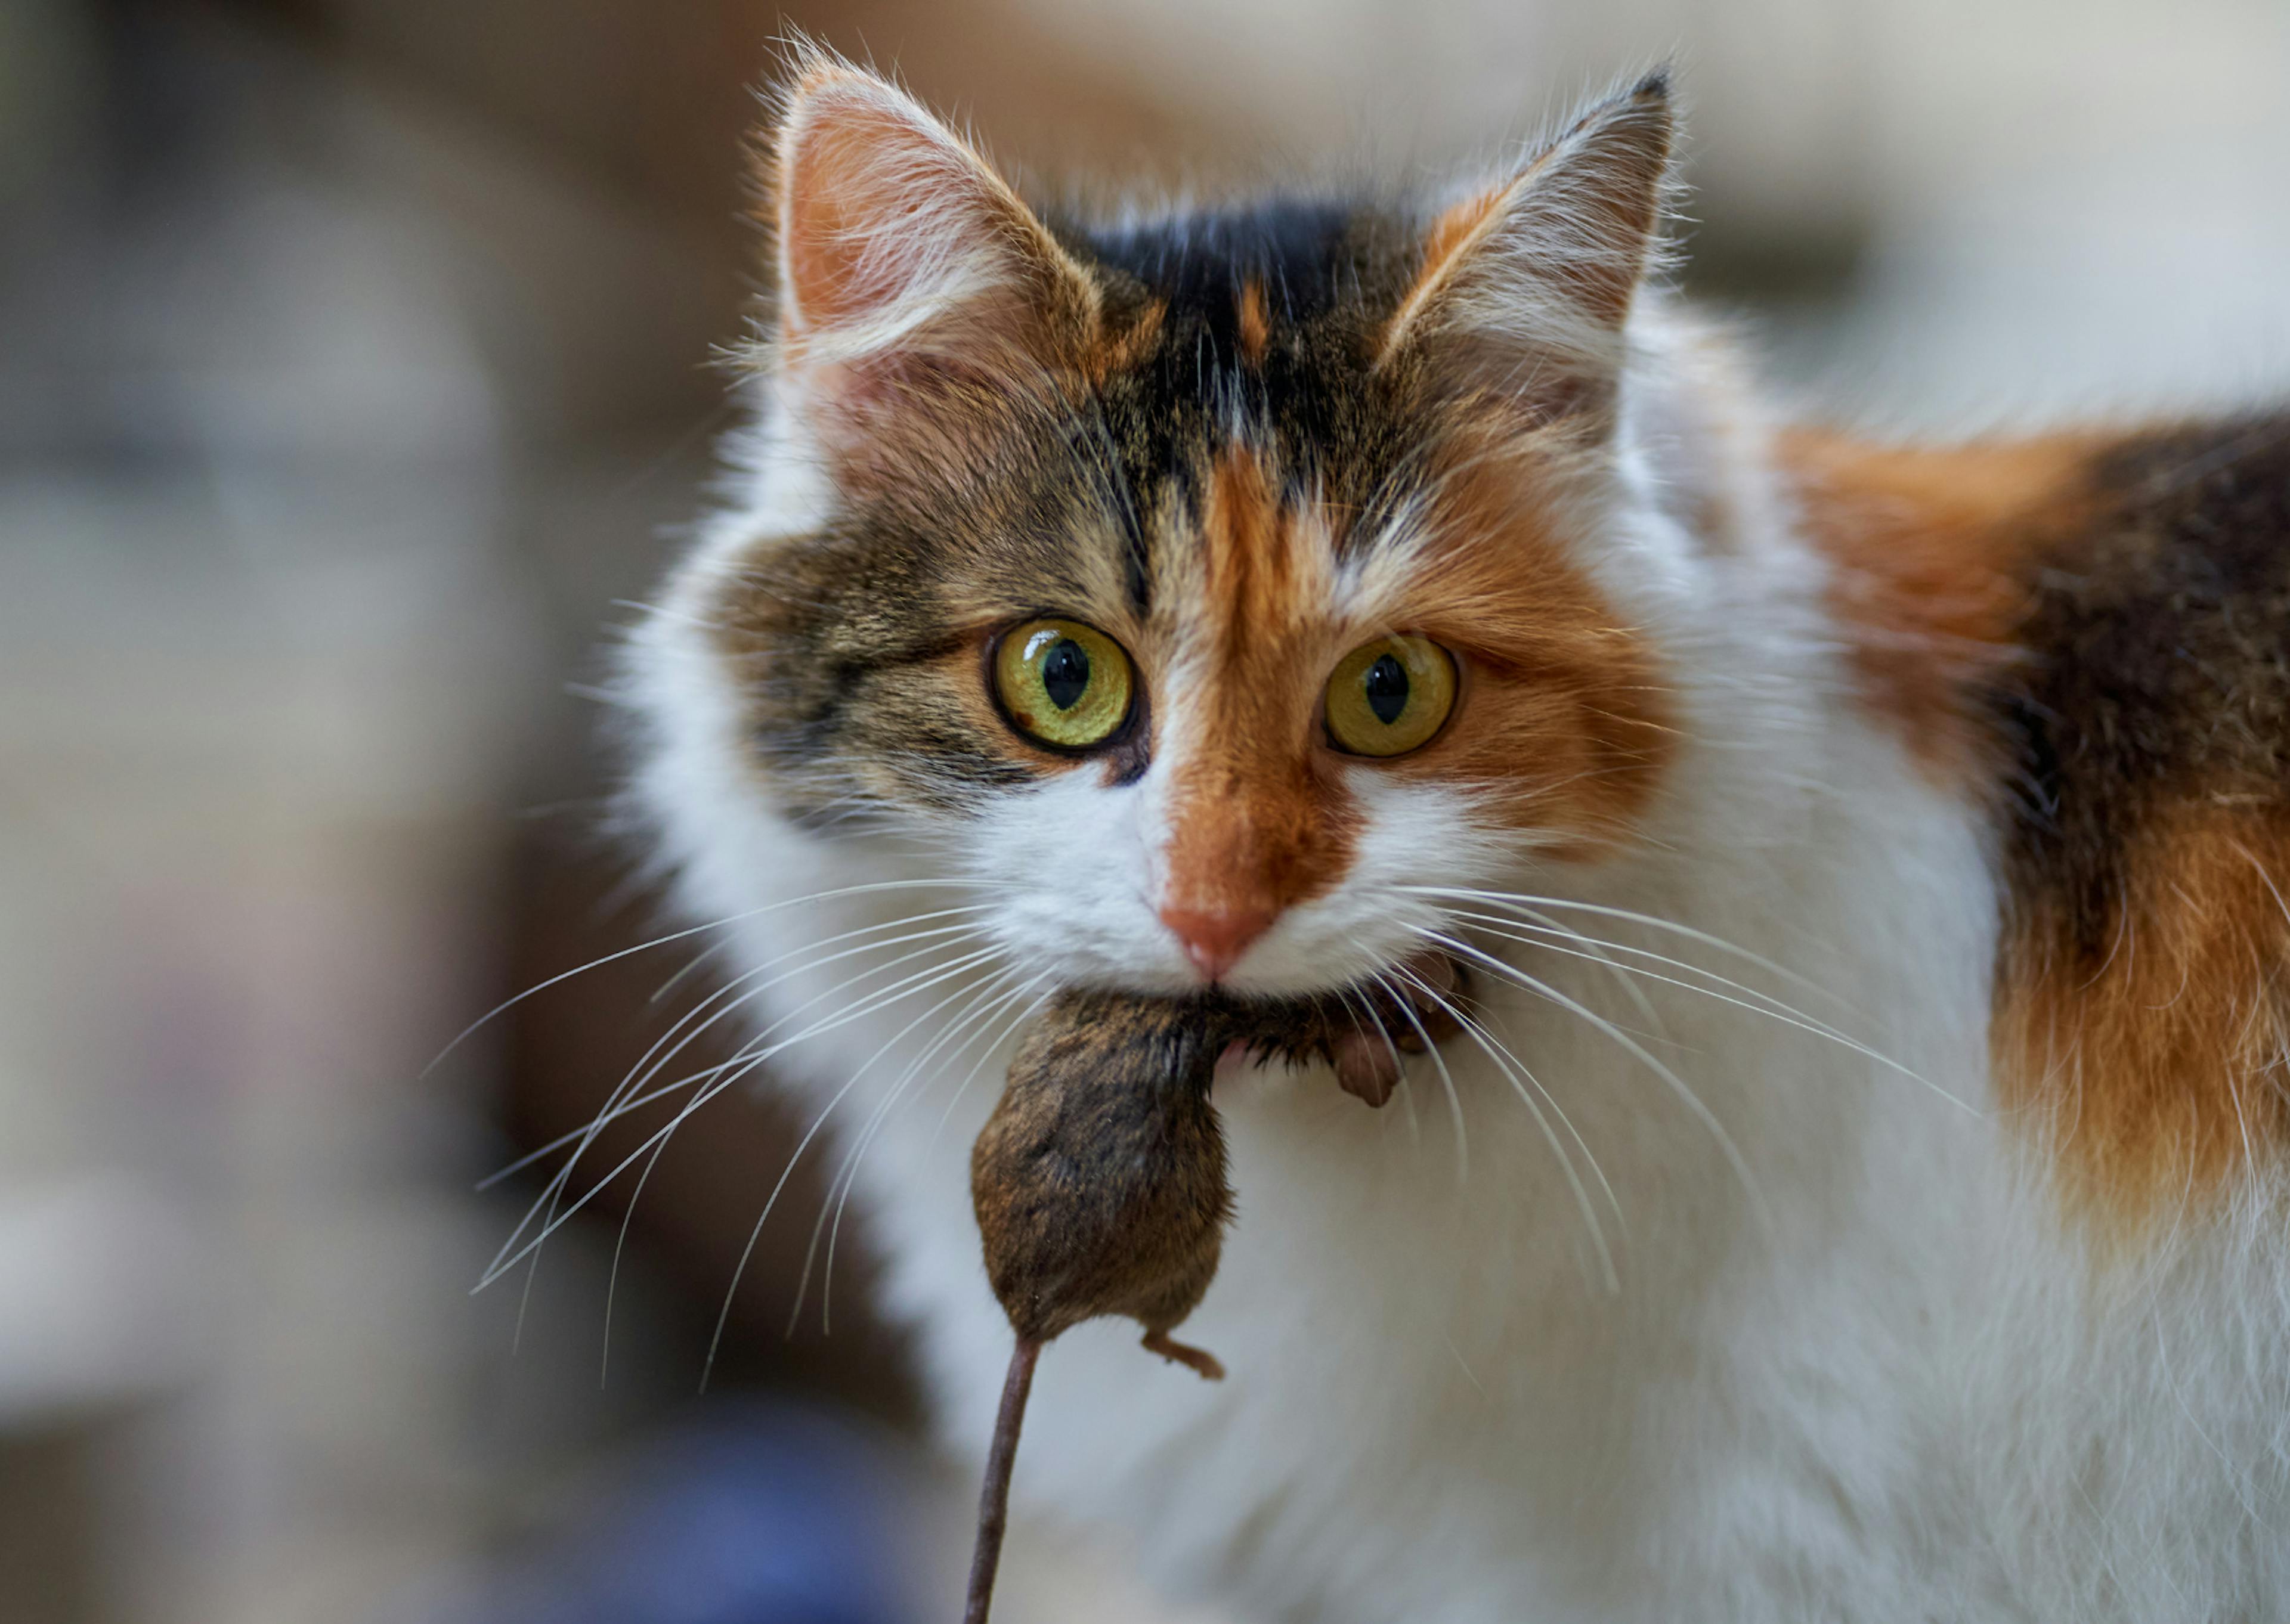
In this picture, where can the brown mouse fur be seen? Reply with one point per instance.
(1100, 1182)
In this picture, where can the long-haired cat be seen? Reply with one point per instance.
(1854, 1191)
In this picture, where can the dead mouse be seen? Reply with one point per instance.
(1100, 1180)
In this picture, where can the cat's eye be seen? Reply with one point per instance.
(1390, 696)
(1064, 684)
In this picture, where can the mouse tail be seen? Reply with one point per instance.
(994, 1497)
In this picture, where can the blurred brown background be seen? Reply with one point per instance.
(354, 378)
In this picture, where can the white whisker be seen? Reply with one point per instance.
(610, 1109)
(552, 1192)
(1771, 1008)
(1513, 1069)
(1676, 1084)
(1507, 899)
(1406, 1091)
(978, 996)
(970, 1076)
(1446, 1078)
(748, 1061)
(714, 925)
(647, 1067)
(984, 1024)
(731, 1292)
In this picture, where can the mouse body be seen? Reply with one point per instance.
(1101, 1181)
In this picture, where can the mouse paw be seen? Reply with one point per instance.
(1199, 1360)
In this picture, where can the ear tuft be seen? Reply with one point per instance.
(1656, 83)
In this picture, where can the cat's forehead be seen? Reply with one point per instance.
(1249, 333)
(1234, 399)
(1268, 306)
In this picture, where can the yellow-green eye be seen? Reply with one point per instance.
(1389, 696)
(1062, 683)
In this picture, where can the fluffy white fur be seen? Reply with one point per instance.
(1714, 1317)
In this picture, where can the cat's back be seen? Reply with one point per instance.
(2087, 636)
(2158, 629)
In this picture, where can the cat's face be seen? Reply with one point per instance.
(1208, 586)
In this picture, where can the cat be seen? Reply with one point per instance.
(1854, 1187)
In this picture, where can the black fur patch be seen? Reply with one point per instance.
(1313, 407)
(2157, 669)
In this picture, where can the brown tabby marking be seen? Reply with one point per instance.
(1128, 343)
(2094, 637)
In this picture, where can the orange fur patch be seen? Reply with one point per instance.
(2160, 1074)
(1451, 237)
(1564, 718)
(1255, 324)
(1928, 550)
(1258, 821)
(1561, 728)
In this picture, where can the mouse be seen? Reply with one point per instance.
(1101, 1180)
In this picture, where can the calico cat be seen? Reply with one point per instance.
(1856, 1189)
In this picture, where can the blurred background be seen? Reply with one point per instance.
(354, 379)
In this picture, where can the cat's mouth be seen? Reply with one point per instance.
(1365, 1032)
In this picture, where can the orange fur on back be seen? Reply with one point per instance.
(1927, 551)
(2159, 1076)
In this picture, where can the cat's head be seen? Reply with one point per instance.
(1210, 582)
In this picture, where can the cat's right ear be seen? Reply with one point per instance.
(1523, 289)
(903, 259)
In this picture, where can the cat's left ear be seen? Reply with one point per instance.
(1524, 287)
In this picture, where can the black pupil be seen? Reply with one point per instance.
(1065, 675)
(1386, 689)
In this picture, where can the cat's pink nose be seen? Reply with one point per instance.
(1215, 938)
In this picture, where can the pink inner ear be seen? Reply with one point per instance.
(851, 243)
(921, 301)
(894, 236)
